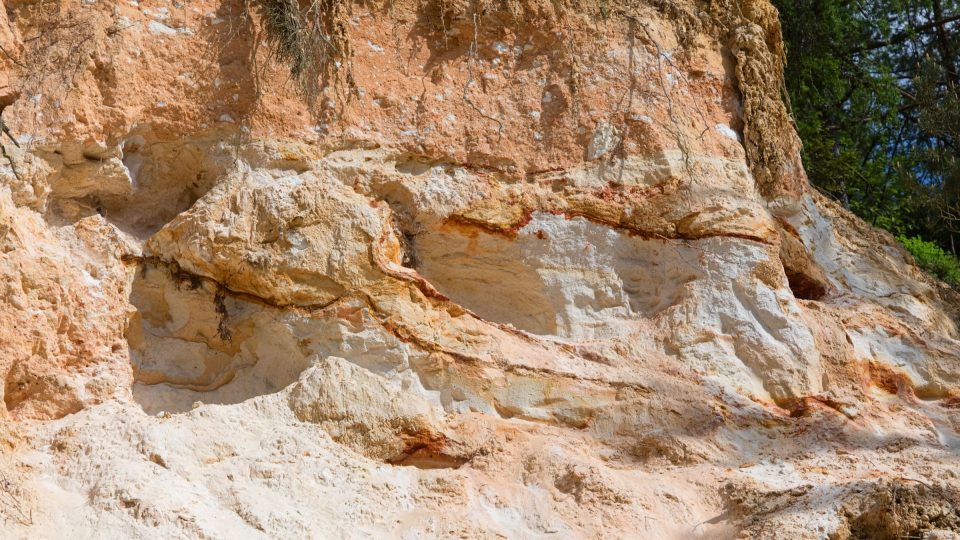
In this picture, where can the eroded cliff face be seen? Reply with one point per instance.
(520, 269)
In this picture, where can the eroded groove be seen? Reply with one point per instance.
(193, 279)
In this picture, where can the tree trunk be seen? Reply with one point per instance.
(943, 42)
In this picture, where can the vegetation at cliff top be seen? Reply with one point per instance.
(934, 259)
(875, 93)
(874, 89)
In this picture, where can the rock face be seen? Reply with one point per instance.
(522, 269)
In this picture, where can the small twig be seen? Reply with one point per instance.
(3, 148)
(9, 159)
(12, 59)
(904, 478)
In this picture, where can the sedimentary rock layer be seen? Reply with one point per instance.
(519, 269)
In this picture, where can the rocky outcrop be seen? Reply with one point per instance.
(519, 269)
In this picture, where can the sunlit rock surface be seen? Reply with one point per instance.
(530, 271)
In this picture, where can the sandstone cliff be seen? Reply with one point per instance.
(519, 269)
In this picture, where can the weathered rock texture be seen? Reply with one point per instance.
(519, 269)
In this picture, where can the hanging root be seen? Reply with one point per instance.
(311, 40)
